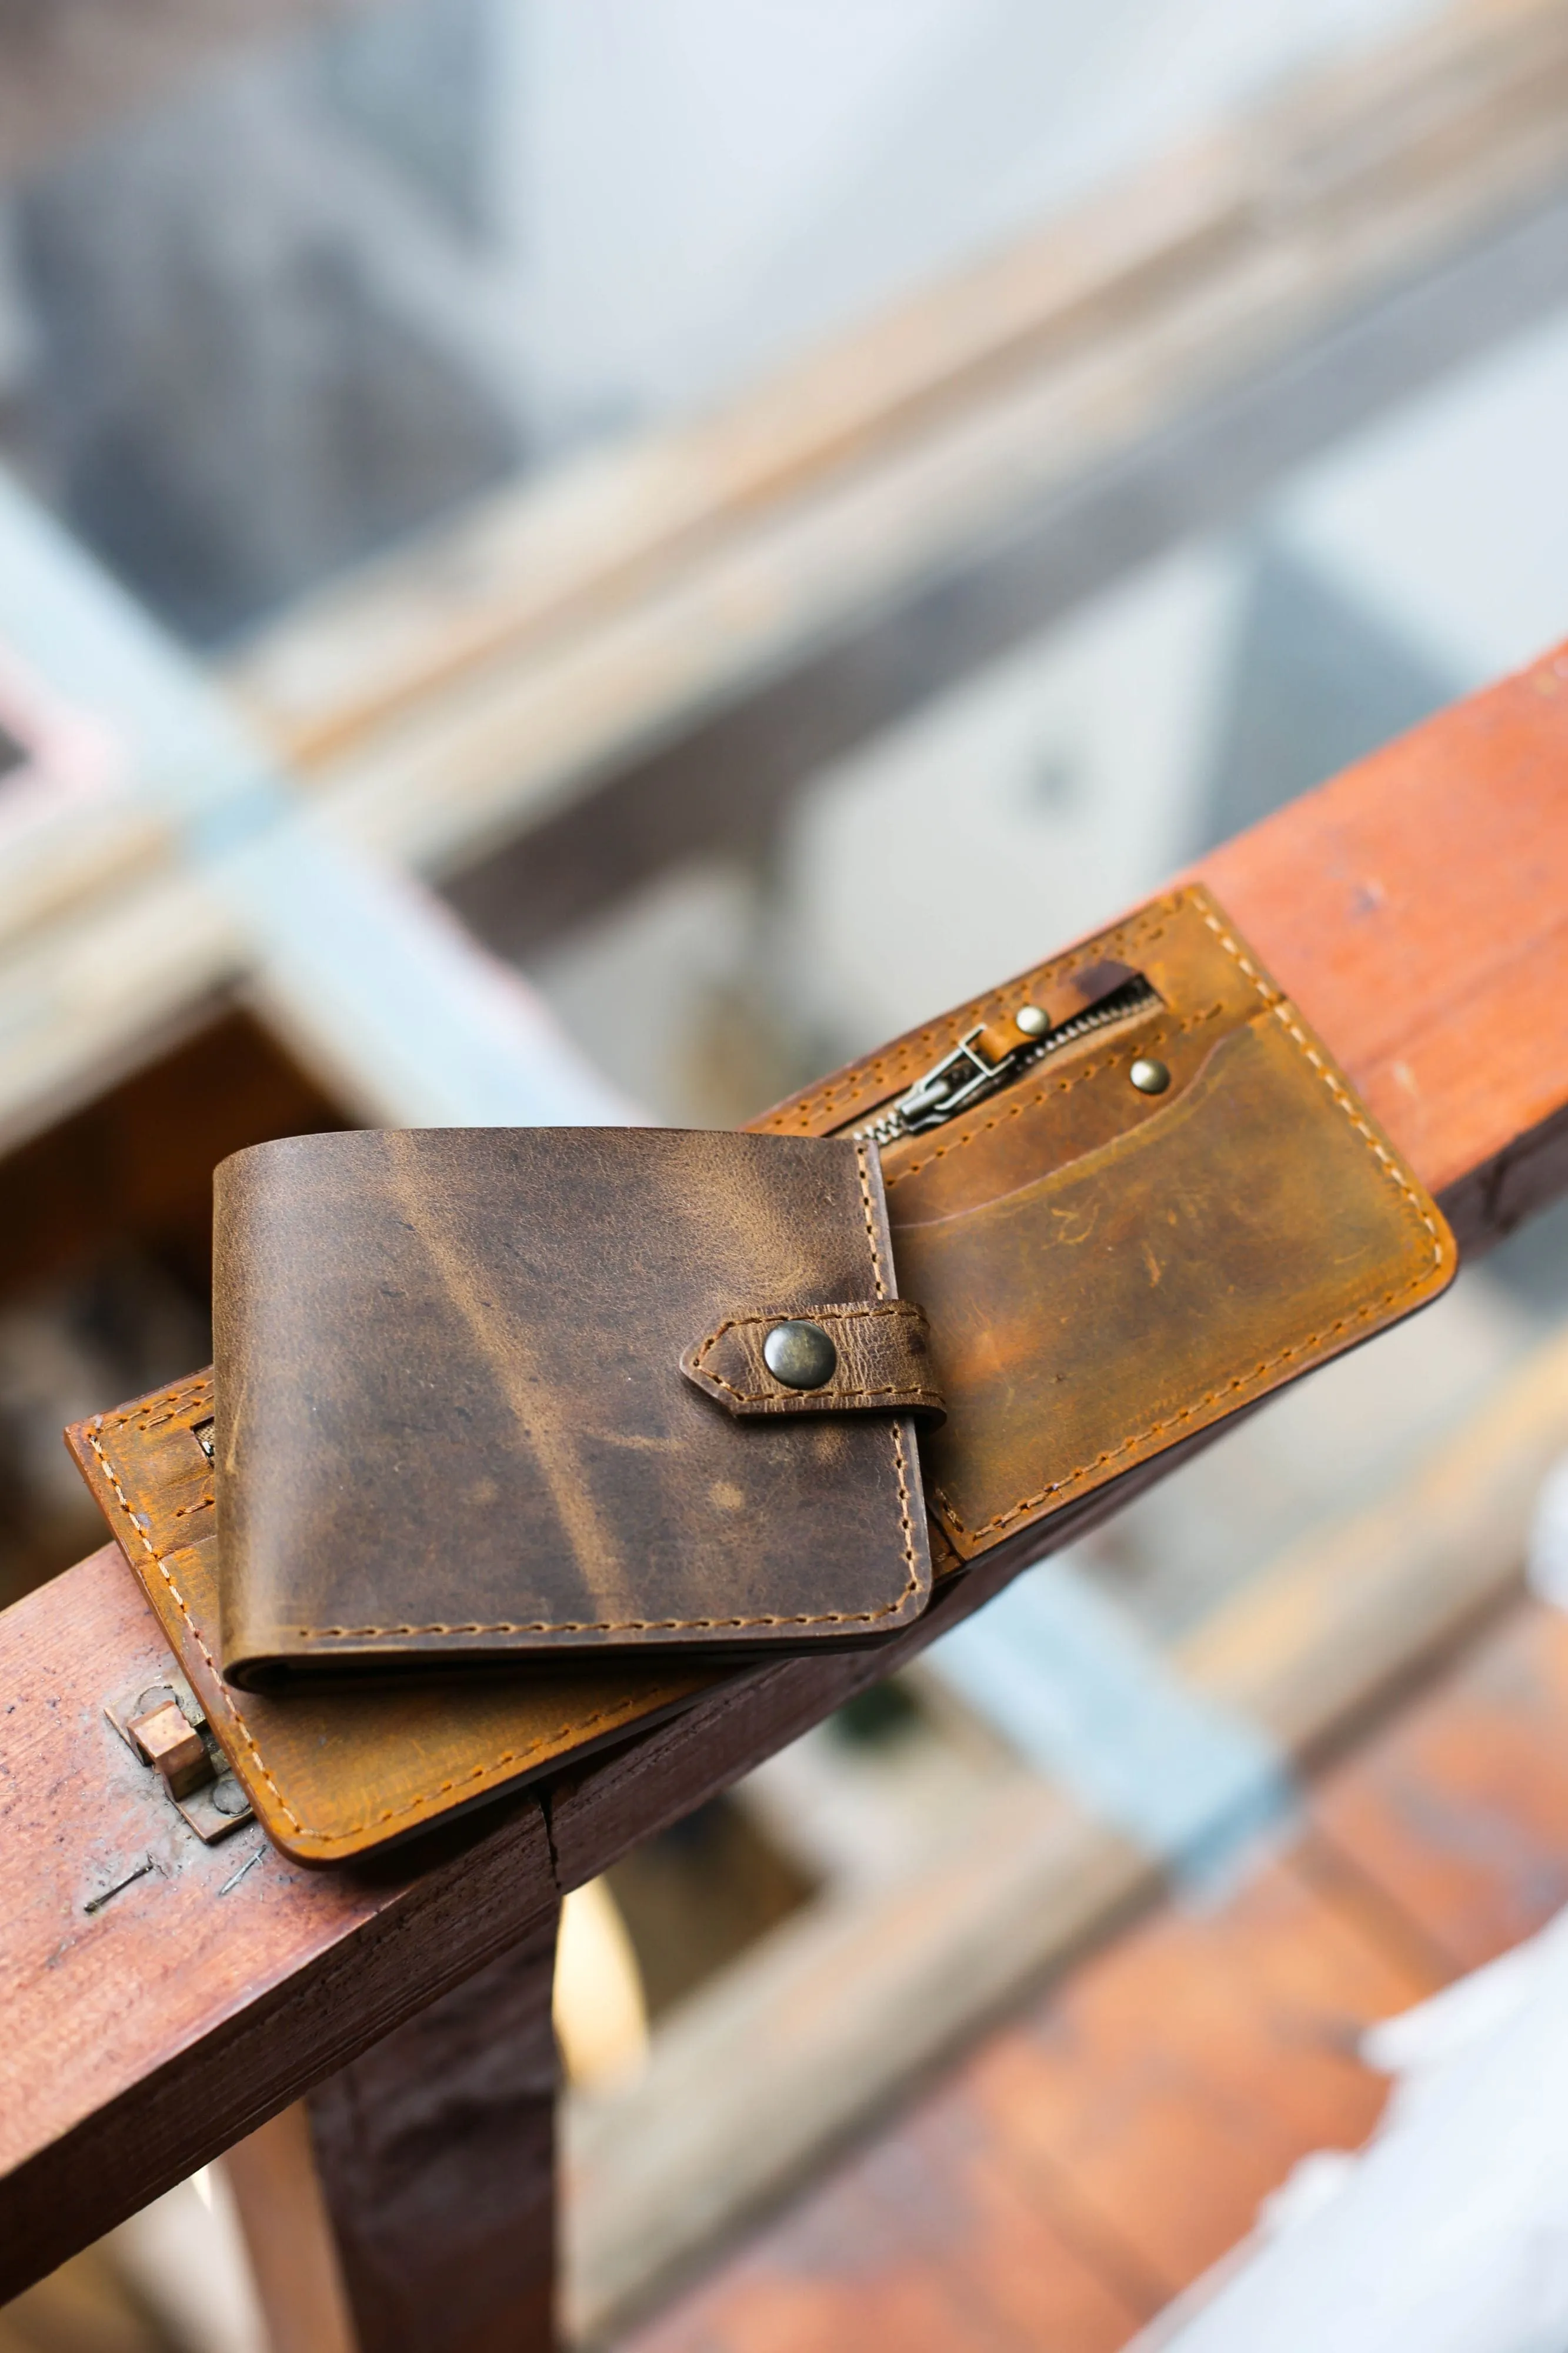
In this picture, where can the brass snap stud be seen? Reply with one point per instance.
(1031, 1020)
(1150, 1077)
(800, 1356)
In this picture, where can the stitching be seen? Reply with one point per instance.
(1279, 1005)
(174, 1399)
(427, 1799)
(1058, 1087)
(162, 1567)
(1186, 1413)
(615, 1625)
(1140, 929)
(863, 1163)
(863, 1168)
(901, 1310)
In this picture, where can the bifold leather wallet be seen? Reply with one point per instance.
(1130, 1194)
(489, 1394)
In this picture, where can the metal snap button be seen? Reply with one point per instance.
(1150, 1077)
(800, 1356)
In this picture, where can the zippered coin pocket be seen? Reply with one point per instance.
(1134, 1194)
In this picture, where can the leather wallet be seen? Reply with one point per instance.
(1134, 1195)
(1145, 1208)
(486, 1394)
(333, 1771)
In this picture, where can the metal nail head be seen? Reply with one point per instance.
(800, 1356)
(1150, 1077)
(1031, 1020)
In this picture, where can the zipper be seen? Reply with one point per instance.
(967, 1073)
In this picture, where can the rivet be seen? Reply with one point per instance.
(1031, 1020)
(1150, 1077)
(800, 1356)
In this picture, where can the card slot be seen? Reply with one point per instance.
(1141, 1291)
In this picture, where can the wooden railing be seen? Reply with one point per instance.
(1418, 908)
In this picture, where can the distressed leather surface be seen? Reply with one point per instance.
(451, 1423)
(884, 1363)
(332, 1775)
(336, 1773)
(1106, 1272)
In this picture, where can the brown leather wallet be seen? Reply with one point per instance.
(484, 1394)
(1150, 1206)
(1132, 1193)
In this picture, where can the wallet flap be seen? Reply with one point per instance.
(451, 1421)
(873, 1356)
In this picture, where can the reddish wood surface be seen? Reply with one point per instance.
(436, 2154)
(186, 2009)
(1419, 909)
(1127, 2124)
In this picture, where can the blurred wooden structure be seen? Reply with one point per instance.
(1111, 2144)
(544, 703)
(169, 2002)
(69, 68)
(862, 1993)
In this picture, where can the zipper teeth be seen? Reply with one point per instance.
(1132, 997)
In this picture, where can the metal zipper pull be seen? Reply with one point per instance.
(983, 1059)
(961, 1077)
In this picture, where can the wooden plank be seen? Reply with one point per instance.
(436, 2154)
(1407, 905)
(958, 2220)
(248, 1998)
(148, 2029)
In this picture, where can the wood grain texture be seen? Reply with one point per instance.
(1125, 2126)
(1415, 908)
(1413, 899)
(145, 2035)
(435, 2152)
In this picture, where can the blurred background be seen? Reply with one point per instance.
(582, 558)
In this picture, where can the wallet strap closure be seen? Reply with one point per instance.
(870, 1356)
